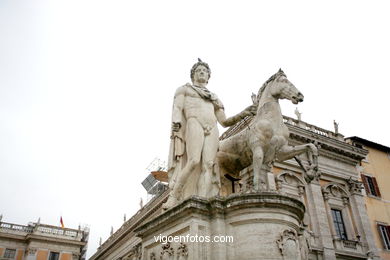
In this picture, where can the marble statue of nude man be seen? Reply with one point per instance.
(195, 138)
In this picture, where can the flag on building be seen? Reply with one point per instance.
(62, 222)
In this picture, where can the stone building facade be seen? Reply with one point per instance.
(375, 174)
(335, 224)
(37, 241)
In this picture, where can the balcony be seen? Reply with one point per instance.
(42, 230)
(348, 246)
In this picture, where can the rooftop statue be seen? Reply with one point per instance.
(266, 137)
(336, 127)
(298, 114)
(195, 138)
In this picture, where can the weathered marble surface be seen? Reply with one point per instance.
(195, 138)
(266, 138)
(263, 225)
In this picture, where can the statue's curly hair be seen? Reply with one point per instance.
(199, 63)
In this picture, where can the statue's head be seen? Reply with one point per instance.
(194, 68)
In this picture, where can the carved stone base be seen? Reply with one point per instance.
(262, 225)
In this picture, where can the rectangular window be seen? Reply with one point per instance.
(371, 185)
(9, 253)
(339, 224)
(54, 256)
(384, 232)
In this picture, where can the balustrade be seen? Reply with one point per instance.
(38, 228)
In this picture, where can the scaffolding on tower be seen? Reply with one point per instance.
(157, 180)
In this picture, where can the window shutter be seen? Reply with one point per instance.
(365, 184)
(388, 232)
(381, 234)
(387, 229)
(378, 193)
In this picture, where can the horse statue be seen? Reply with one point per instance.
(265, 139)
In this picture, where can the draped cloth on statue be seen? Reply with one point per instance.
(177, 152)
(209, 96)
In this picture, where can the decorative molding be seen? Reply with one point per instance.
(135, 253)
(167, 251)
(345, 201)
(287, 176)
(31, 251)
(301, 190)
(288, 244)
(336, 190)
(182, 251)
(355, 186)
(290, 179)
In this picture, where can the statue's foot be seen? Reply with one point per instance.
(171, 202)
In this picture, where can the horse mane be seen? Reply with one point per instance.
(271, 79)
(248, 120)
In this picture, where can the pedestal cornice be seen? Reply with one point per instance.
(220, 206)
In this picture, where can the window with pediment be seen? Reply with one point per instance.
(338, 207)
(290, 183)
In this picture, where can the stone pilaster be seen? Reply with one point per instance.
(319, 216)
(364, 225)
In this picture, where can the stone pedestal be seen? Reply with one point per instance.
(255, 226)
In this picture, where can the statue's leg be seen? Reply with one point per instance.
(209, 181)
(194, 144)
(259, 178)
(288, 152)
(312, 154)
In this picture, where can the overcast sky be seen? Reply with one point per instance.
(86, 88)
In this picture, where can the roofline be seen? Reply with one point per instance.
(369, 143)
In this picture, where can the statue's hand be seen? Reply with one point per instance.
(176, 127)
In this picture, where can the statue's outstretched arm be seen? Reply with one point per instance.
(225, 122)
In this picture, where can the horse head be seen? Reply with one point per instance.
(279, 87)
